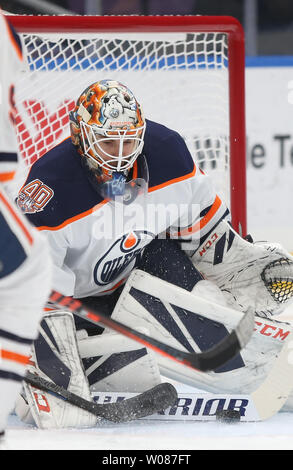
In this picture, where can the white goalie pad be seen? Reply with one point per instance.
(185, 320)
(56, 358)
(113, 362)
(175, 316)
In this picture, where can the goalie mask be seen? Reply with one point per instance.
(107, 127)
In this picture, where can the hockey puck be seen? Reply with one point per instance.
(228, 416)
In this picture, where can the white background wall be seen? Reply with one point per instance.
(269, 123)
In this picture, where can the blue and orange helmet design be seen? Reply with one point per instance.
(107, 110)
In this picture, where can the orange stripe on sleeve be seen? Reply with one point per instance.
(15, 357)
(76, 217)
(7, 176)
(175, 180)
(204, 221)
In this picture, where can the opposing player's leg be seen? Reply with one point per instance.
(25, 282)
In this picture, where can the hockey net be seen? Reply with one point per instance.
(187, 72)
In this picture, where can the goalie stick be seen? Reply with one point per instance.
(161, 402)
(203, 361)
(147, 403)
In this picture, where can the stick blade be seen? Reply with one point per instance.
(152, 401)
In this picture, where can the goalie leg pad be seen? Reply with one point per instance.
(115, 363)
(56, 358)
(175, 316)
(195, 324)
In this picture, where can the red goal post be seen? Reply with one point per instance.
(187, 71)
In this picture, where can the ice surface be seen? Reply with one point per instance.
(275, 433)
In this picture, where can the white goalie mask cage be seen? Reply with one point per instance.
(95, 141)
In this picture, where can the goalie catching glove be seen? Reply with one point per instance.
(257, 275)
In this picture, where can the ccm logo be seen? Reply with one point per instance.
(208, 244)
(269, 330)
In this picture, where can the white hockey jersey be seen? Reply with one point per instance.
(96, 242)
(11, 60)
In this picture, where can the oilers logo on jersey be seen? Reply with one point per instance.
(122, 253)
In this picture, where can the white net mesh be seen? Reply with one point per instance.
(181, 80)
